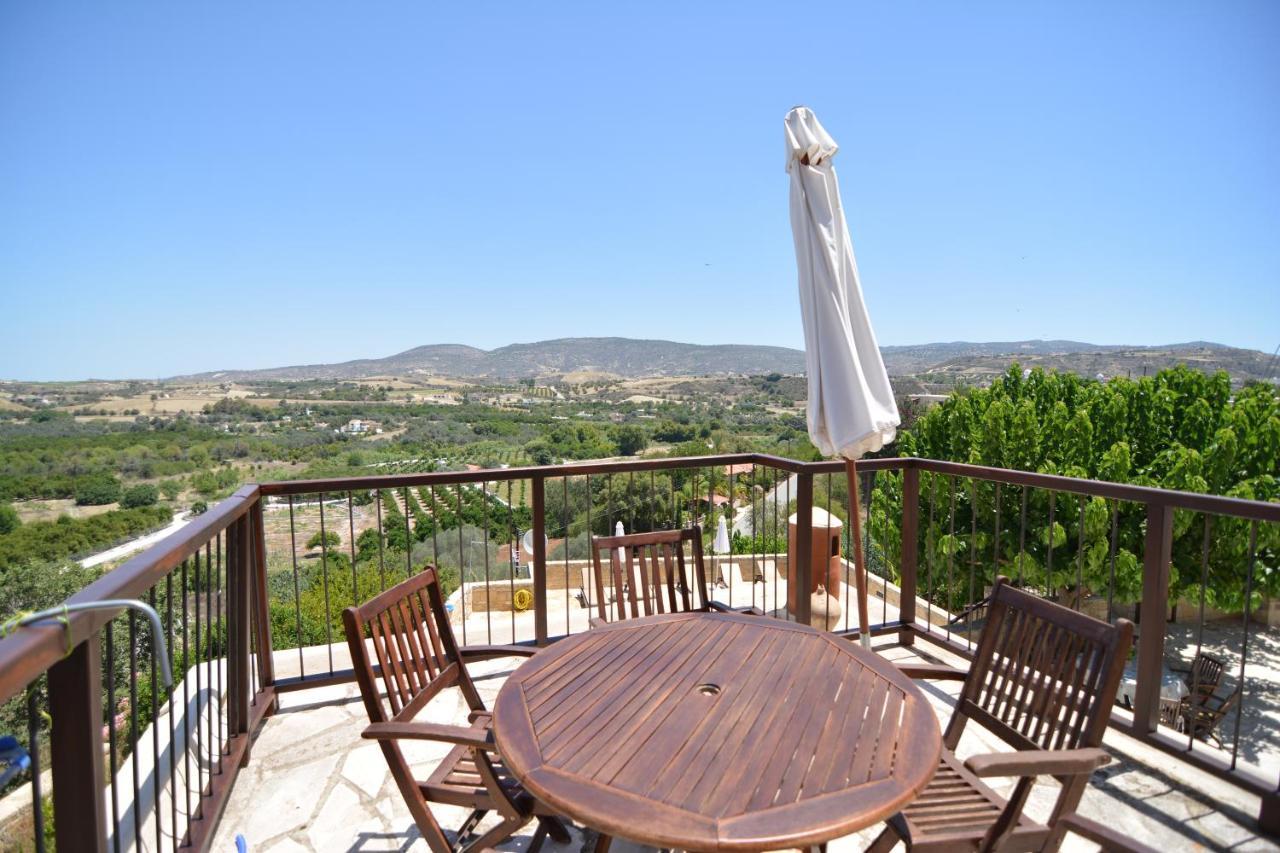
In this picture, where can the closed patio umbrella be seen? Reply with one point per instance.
(851, 406)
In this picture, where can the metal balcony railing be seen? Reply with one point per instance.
(250, 596)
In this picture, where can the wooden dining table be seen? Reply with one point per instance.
(716, 731)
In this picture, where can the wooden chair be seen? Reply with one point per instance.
(649, 574)
(1043, 679)
(1204, 675)
(1202, 714)
(408, 632)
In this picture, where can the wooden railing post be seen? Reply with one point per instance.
(803, 557)
(75, 742)
(908, 562)
(1157, 551)
(540, 560)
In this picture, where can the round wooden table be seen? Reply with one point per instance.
(716, 731)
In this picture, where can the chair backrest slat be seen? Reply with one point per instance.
(405, 632)
(649, 573)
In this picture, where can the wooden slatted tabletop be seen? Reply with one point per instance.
(716, 731)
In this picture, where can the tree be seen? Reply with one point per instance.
(9, 520)
(143, 494)
(631, 439)
(328, 540)
(170, 489)
(1179, 429)
(97, 489)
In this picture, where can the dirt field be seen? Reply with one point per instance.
(30, 511)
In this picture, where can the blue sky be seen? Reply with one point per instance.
(252, 185)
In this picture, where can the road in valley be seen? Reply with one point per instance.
(179, 521)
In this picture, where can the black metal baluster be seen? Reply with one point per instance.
(33, 749)
(462, 563)
(930, 544)
(515, 552)
(186, 696)
(1195, 670)
(113, 750)
(995, 540)
(223, 646)
(133, 727)
(155, 738)
(351, 533)
(382, 561)
(732, 516)
(1111, 580)
(1080, 559)
(1053, 501)
(567, 540)
(951, 549)
(173, 740)
(1022, 535)
(973, 563)
(435, 531)
(1244, 642)
(488, 583)
(884, 556)
(324, 575)
(297, 593)
(408, 535)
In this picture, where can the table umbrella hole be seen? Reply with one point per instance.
(708, 689)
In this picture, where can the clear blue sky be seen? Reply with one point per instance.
(189, 188)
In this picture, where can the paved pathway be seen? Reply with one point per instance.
(179, 521)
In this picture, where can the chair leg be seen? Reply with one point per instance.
(539, 834)
(602, 843)
(884, 842)
(555, 828)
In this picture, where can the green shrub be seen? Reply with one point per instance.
(143, 494)
(97, 489)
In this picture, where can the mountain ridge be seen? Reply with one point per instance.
(638, 357)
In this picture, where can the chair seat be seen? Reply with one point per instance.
(956, 809)
(456, 780)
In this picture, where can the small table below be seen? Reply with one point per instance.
(1171, 684)
(717, 732)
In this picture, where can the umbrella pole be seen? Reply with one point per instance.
(859, 562)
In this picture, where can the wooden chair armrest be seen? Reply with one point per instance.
(596, 622)
(478, 653)
(1109, 839)
(1038, 762)
(936, 671)
(477, 737)
(721, 607)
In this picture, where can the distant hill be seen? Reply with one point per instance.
(944, 363)
(625, 357)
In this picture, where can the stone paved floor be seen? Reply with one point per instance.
(313, 784)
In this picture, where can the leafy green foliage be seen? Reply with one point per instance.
(143, 494)
(9, 520)
(97, 489)
(1177, 430)
(630, 439)
(328, 540)
(42, 541)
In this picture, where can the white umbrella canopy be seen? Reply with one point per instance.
(851, 406)
(721, 545)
